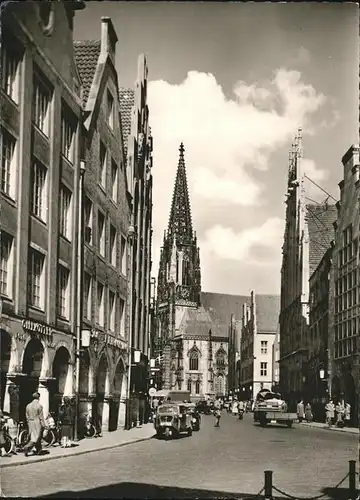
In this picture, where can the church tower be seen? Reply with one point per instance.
(179, 279)
(179, 267)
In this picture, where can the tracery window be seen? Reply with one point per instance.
(194, 360)
(220, 358)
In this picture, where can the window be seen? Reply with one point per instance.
(88, 220)
(36, 280)
(264, 347)
(100, 304)
(197, 387)
(39, 195)
(194, 360)
(87, 287)
(110, 110)
(123, 255)
(65, 212)
(8, 164)
(6, 264)
(67, 137)
(114, 181)
(112, 311)
(220, 359)
(263, 369)
(189, 385)
(113, 245)
(101, 233)
(10, 70)
(41, 105)
(122, 316)
(103, 157)
(63, 292)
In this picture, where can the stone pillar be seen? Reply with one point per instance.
(105, 415)
(11, 397)
(121, 415)
(44, 396)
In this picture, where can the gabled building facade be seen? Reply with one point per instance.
(41, 115)
(344, 289)
(105, 227)
(259, 329)
(308, 235)
(138, 147)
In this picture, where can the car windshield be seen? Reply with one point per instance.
(166, 409)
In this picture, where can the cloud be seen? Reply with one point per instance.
(318, 176)
(225, 243)
(228, 147)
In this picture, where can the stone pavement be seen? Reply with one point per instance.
(319, 425)
(108, 441)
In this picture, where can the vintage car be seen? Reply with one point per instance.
(173, 419)
(271, 408)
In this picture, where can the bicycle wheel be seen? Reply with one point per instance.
(23, 438)
(49, 438)
(8, 445)
(89, 431)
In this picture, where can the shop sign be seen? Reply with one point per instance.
(107, 339)
(40, 331)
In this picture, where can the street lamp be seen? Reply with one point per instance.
(322, 373)
(79, 292)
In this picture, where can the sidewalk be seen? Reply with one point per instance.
(319, 425)
(108, 441)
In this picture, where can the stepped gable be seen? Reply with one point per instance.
(267, 313)
(87, 53)
(127, 101)
(320, 220)
(199, 322)
(180, 224)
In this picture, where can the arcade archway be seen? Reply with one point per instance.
(31, 367)
(62, 373)
(114, 409)
(101, 388)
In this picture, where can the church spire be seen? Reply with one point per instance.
(180, 225)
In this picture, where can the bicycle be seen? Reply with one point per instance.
(9, 444)
(90, 431)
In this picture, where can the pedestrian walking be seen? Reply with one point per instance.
(308, 413)
(36, 423)
(330, 412)
(217, 413)
(300, 410)
(340, 411)
(66, 419)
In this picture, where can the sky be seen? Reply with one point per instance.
(233, 82)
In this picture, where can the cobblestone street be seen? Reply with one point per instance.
(228, 460)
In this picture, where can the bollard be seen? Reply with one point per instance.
(352, 480)
(268, 485)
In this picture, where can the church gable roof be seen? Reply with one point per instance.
(199, 322)
(223, 305)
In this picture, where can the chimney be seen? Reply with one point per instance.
(108, 38)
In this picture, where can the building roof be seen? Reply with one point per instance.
(267, 313)
(199, 322)
(127, 101)
(320, 220)
(224, 305)
(86, 56)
